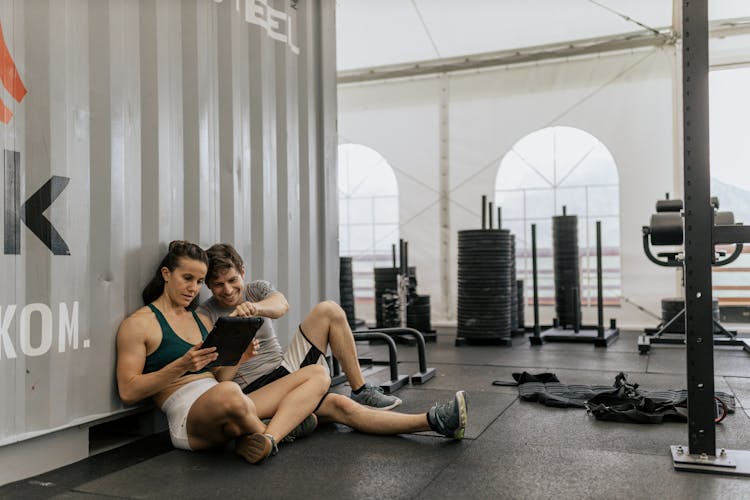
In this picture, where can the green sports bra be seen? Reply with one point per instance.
(172, 345)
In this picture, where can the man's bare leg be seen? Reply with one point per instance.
(290, 399)
(448, 419)
(327, 325)
(342, 410)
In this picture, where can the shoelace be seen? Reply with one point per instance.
(274, 447)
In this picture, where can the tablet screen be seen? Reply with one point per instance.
(231, 336)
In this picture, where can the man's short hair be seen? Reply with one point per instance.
(221, 257)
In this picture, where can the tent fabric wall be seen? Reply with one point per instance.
(626, 100)
(171, 119)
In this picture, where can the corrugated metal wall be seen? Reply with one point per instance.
(146, 121)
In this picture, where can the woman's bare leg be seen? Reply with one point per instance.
(290, 399)
(221, 414)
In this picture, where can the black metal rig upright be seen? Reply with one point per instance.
(701, 453)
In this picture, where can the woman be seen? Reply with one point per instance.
(159, 355)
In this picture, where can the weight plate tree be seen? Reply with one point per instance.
(385, 281)
(567, 270)
(346, 289)
(484, 286)
(596, 334)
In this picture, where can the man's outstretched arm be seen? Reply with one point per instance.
(273, 306)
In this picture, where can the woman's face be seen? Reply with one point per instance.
(183, 284)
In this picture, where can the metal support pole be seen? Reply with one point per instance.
(599, 287)
(446, 288)
(698, 224)
(536, 338)
(484, 211)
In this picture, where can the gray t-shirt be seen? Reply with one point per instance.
(270, 354)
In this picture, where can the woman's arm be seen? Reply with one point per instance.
(133, 385)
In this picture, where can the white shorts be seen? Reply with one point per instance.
(301, 352)
(177, 406)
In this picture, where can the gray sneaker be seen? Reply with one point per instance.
(449, 419)
(373, 397)
(305, 428)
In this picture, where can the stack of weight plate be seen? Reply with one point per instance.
(385, 280)
(418, 313)
(672, 306)
(390, 313)
(567, 280)
(513, 292)
(484, 287)
(346, 289)
(521, 304)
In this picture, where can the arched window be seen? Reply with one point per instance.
(368, 216)
(729, 104)
(559, 167)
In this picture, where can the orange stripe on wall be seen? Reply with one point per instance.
(9, 73)
(5, 113)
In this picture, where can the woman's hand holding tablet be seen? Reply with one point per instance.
(232, 337)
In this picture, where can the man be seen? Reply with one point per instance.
(325, 326)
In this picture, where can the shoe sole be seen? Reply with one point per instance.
(462, 415)
(383, 408)
(253, 448)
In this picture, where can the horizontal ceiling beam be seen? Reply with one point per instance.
(665, 36)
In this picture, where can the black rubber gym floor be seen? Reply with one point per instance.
(513, 449)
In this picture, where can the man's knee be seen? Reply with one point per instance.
(330, 310)
(338, 407)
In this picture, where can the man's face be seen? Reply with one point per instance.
(228, 286)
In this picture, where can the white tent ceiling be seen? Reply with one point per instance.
(373, 33)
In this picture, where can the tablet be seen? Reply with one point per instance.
(231, 336)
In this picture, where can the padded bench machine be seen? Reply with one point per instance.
(666, 229)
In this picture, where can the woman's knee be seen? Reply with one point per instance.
(319, 375)
(234, 403)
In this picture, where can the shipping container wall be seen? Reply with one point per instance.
(129, 123)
